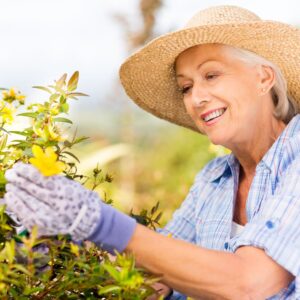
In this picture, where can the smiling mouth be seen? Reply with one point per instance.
(214, 115)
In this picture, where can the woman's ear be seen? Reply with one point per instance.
(267, 78)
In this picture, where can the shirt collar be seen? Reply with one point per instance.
(228, 164)
(274, 154)
(231, 164)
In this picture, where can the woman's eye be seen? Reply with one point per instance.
(210, 76)
(185, 89)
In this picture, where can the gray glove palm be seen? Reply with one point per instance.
(56, 204)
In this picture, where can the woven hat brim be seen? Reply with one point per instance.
(148, 75)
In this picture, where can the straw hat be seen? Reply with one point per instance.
(148, 75)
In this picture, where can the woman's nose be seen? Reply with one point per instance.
(199, 96)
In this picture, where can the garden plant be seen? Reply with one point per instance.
(34, 267)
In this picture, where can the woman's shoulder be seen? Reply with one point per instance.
(290, 156)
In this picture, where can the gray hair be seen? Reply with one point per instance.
(285, 107)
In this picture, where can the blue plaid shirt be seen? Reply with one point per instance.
(273, 207)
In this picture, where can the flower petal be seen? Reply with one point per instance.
(51, 155)
(38, 151)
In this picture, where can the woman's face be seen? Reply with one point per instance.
(222, 94)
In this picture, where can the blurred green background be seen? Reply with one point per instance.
(158, 167)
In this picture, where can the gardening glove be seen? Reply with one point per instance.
(16, 224)
(58, 205)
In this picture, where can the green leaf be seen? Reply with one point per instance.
(64, 120)
(77, 94)
(3, 142)
(31, 290)
(62, 98)
(21, 141)
(72, 84)
(10, 251)
(28, 151)
(2, 178)
(64, 108)
(109, 289)
(29, 114)
(20, 132)
(3, 129)
(54, 97)
(80, 139)
(42, 88)
(112, 271)
(158, 217)
(154, 208)
(73, 98)
(67, 144)
(71, 154)
(22, 269)
(5, 152)
(61, 81)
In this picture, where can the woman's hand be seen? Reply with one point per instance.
(161, 289)
(56, 204)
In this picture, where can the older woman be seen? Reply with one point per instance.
(236, 79)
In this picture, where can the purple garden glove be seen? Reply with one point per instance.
(58, 205)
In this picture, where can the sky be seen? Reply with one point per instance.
(42, 39)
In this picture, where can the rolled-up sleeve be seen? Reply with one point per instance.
(276, 227)
(182, 226)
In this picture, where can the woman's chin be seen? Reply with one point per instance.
(217, 137)
(217, 140)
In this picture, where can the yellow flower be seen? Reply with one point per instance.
(54, 110)
(53, 133)
(7, 112)
(36, 126)
(20, 98)
(46, 162)
(48, 132)
(11, 95)
(74, 249)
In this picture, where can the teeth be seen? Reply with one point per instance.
(214, 114)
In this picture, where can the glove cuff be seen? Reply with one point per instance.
(114, 229)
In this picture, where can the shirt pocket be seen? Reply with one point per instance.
(212, 233)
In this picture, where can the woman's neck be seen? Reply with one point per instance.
(251, 152)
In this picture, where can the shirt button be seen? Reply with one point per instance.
(226, 245)
(271, 224)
